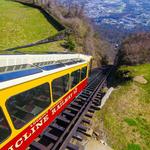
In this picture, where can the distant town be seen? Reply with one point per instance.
(128, 15)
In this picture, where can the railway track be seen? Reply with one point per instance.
(72, 122)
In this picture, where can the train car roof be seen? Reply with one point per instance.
(16, 69)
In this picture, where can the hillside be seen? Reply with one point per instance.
(21, 25)
(135, 49)
(126, 115)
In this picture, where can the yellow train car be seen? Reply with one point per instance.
(34, 89)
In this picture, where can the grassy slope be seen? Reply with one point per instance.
(44, 48)
(21, 25)
(126, 115)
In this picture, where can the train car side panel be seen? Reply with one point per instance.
(32, 129)
(22, 140)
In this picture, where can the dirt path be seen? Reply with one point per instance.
(95, 145)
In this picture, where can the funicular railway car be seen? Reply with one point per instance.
(34, 89)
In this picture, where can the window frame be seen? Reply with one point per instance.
(86, 72)
(69, 88)
(79, 78)
(1, 110)
(8, 98)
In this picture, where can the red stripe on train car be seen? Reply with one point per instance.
(22, 140)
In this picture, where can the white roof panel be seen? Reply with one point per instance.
(18, 61)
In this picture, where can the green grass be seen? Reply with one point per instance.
(20, 25)
(130, 121)
(126, 115)
(133, 147)
(142, 70)
(44, 48)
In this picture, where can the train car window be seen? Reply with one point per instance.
(75, 78)
(24, 106)
(60, 86)
(4, 128)
(83, 73)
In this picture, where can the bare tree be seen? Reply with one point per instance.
(135, 49)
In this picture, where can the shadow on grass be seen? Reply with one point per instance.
(58, 26)
(119, 77)
(62, 33)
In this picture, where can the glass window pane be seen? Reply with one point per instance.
(25, 106)
(2, 69)
(75, 78)
(60, 86)
(4, 128)
(83, 73)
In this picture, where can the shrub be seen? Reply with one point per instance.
(70, 44)
(123, 74)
